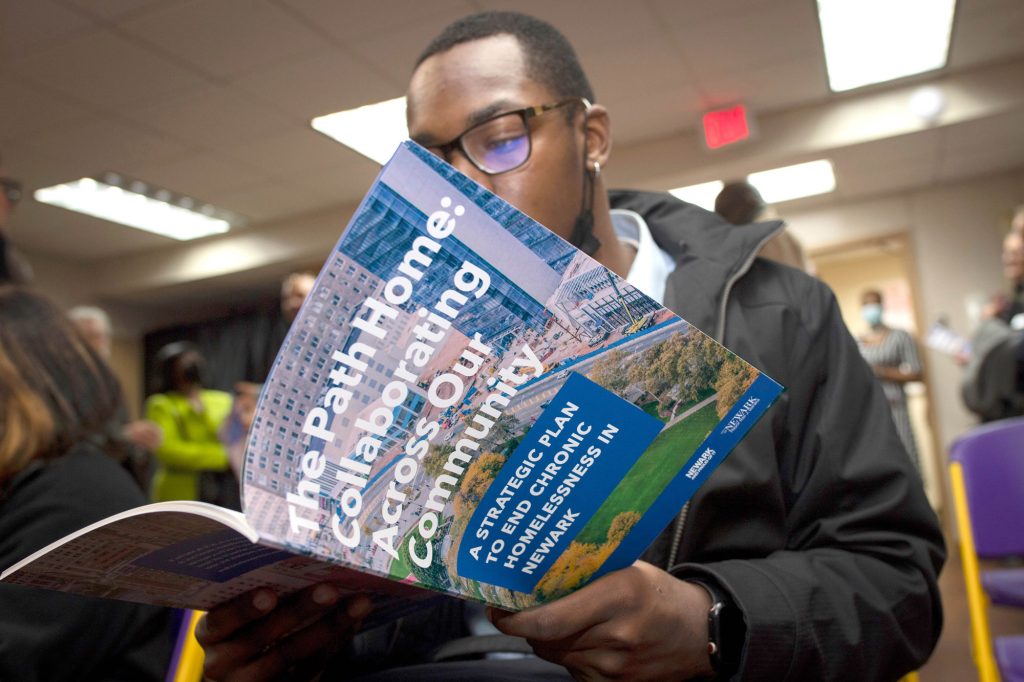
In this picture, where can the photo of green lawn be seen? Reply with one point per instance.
(661, 462)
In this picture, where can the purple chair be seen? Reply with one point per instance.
(987, 476)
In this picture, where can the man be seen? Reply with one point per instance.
(14, 269)
(294, 290)
(993, 383)
(740, 203)
(813, 540)
(94, 324)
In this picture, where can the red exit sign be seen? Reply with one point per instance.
(726, 126)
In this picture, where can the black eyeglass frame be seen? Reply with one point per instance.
(11, 190)
(526, 113)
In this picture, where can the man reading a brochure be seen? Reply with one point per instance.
(811, 553)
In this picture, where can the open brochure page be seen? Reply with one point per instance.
(469, 404)
(181, 554)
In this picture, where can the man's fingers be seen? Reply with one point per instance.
(590, 606)
(226, 619)
(303, 654)
(302, 608)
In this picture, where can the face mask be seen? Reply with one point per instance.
(192, 373)
(872, 313)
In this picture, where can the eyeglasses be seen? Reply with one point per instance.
(11, 189)
(502, 143)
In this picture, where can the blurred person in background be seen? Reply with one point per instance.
(14, 269)
(192, 463)
(892, 354)
(58, 474)
(740, 203)
(94, 325)
(993, 383)
(294, 290)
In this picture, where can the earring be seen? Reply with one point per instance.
(597, 170)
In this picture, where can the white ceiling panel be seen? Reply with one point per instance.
(227, 38)
(322, 83)
(108, 72)
(107, 145)
(766, 87)
(114, 10)
(285, 154)
(272, 201)
(27, 109)
(202, 176)
(991, 32)
(747, 40)
(27, 27)
(212, 117)
(346, 23)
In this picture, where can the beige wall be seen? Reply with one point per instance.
(884, 265)
(956, 232)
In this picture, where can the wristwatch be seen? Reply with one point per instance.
(726, 630)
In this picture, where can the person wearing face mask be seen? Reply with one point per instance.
(192, 463)
(892, 354)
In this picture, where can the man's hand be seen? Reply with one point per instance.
(639, 623)
(259, 637)
(143, 433)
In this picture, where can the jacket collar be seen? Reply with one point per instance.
(710, 254)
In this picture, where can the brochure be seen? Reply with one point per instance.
(466, 404)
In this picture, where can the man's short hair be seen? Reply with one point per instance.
(739, 203)
(88, 312)
(550, 59)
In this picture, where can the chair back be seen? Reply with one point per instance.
(992, 460)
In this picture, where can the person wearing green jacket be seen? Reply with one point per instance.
(190, 417)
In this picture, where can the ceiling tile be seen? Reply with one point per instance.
(201, 176)
(113, 10)
(271, 201)
(27, 27)
(107, 71)
(228, 38)
(992, 32)
(326, 82)
(767, 86)
(392, 53)
(107, 145)
(374, 18)
(28, 109)
(749, 39)
(282, 155)
(213, 116)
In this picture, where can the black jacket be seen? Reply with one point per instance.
(54, 636)
(817, 524)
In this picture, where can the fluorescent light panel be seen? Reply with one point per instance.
(702, 195)
(134, 209)
(872, 41)
(776, 185)
(374, 130)
(794, 182)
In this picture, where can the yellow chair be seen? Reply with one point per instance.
(987, 477)
(187, 661)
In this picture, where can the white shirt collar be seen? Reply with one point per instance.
(652, 266)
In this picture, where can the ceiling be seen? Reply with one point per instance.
(213, 99)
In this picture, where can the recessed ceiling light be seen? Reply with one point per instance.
(794, 182)
(374, 130)
(133, 206)
(702, 195)
(872, 41)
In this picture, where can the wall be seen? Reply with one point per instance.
(884, 265)
(956, 232)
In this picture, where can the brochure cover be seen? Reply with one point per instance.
(466, 403)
